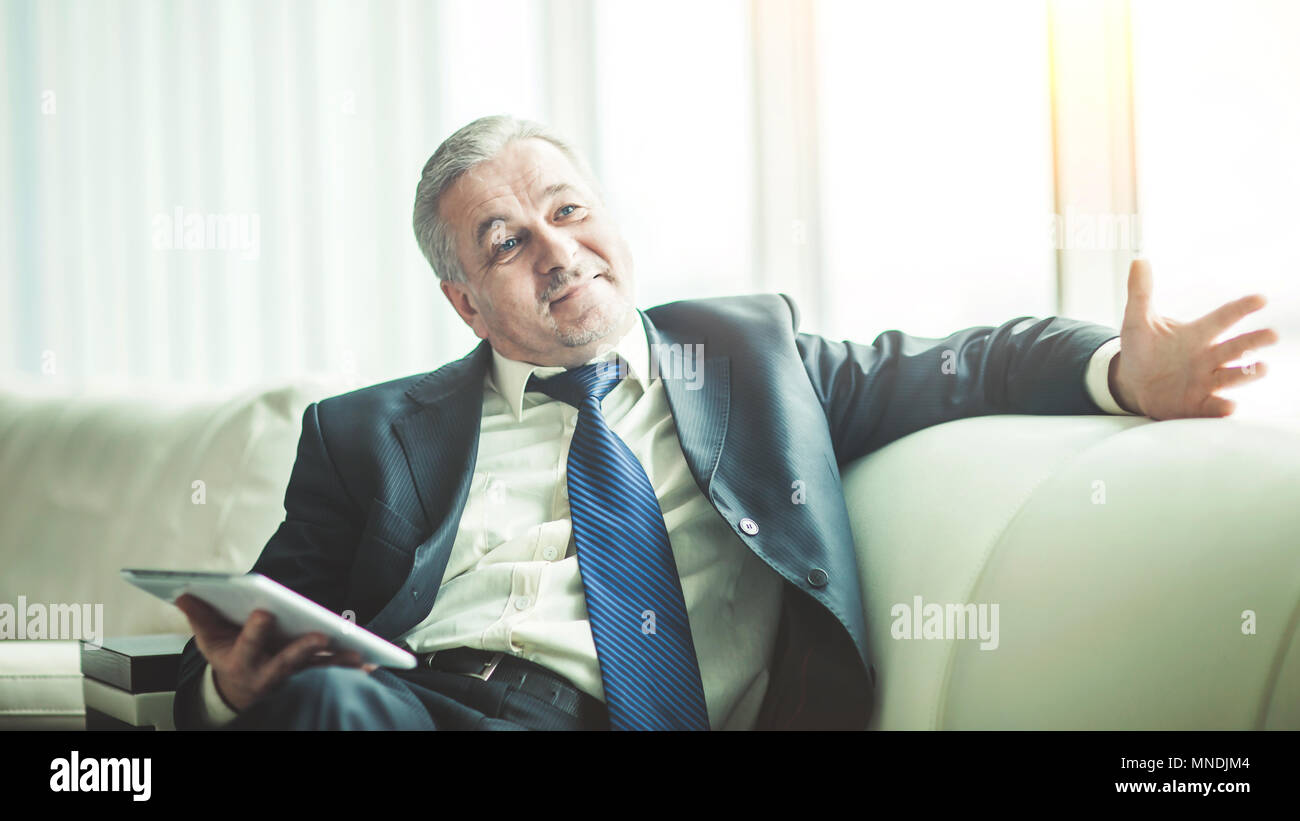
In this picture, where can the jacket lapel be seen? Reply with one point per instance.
(440, 440)
(440, 443)
(700, 401)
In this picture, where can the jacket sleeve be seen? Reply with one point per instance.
(311, 552)
(874, 394)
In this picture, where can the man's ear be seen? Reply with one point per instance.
(463, 301)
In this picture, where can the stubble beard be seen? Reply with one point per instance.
(604, 321)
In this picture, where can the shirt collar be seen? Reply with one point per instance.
(509, 377)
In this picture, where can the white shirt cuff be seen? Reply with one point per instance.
(215, 711)
(1097, 378)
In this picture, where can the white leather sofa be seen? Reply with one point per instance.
(1121, 553)
(91, 485)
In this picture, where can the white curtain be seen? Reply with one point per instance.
(1218, 131)
(286, 138)
(936, 164)
(892, 165)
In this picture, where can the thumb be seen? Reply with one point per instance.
(1140, 285)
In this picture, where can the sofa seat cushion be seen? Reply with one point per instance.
(40, 686)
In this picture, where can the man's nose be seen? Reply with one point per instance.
(557, 251)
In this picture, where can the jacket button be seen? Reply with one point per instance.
(749, 526)
(415, 594)
(817, 577)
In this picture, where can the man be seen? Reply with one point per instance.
(587, 521)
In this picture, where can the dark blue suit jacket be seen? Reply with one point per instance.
(383, 473)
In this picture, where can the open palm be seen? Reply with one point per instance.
(1168, 369)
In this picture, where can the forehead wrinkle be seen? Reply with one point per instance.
(519, 189)
(508, 190)
(522, 183)
(484, 224)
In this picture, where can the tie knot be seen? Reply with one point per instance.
(576, 385)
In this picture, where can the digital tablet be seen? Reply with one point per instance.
(237, 595)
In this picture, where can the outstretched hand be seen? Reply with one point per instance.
(1168, 369)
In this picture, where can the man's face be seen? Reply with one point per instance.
(550, 277)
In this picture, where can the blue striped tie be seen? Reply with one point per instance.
(634, 596)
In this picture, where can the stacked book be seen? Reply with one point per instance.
(129, 682)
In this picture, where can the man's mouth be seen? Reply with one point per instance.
(576, 289)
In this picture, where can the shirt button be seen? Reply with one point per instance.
(817, 577)
(522, 602)
(549, 553)
(749, 526)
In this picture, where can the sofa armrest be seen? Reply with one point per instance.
(1146, 575)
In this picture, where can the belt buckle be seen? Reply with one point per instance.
(489, 667)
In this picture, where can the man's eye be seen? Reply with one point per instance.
(566, 210)
(506, 246)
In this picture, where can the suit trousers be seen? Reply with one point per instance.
(345, 698)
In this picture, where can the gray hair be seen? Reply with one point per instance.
(474, 143)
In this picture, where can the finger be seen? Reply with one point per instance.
(1237, 347)
(298, 654)
(211, 629)
(1140, 286)
(256, 638)
(1229, 314)
(1218, 406)
(1228, 377)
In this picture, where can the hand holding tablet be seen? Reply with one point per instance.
(289, 633)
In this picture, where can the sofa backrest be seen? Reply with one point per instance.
(89, 485)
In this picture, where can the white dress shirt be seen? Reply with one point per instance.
(512, 583)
